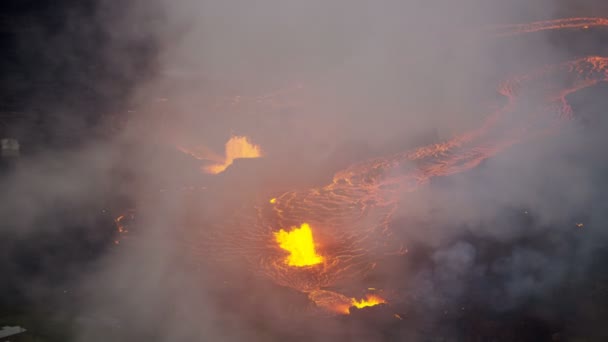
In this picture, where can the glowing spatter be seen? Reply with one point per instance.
(300, 245)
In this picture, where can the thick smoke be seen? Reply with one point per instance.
(318, 85)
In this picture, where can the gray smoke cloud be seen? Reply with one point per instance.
(361, 80)
(318, 85)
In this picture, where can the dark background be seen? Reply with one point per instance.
(60, 87)
(60, 75)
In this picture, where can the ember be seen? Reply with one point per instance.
(564, 23)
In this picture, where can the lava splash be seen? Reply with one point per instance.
(236, 148)
(300, 245)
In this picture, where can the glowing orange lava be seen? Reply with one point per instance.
(370, 300)
(554, 24)
(340, 304)
(356, 208)
(236, 148)
(300, 245)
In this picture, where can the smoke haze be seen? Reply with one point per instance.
(318, 86)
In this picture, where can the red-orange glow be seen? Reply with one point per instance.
(340, 304)
(236, 148)
(122, 226)
(370, 300)
(537, 26)
(355, 210)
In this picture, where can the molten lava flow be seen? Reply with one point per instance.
(300, 245)
(340, 304)
(357, 207)
(370, 300)
(236, 148)
(546, 25)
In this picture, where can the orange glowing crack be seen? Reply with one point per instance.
(341, 304)
(370, 300)
(300, 245)
(554, 24)
(236, 148)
